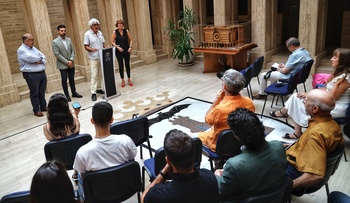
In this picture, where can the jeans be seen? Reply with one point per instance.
(37, 86)
(80, 188)
(338, 197)
(70, 72)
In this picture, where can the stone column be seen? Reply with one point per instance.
(77, 17)
(36, 18)
(8, 90)
(312, 32)
(195, 5)
(264, 28)
(142, 33)
(219, 12)
(109, 12)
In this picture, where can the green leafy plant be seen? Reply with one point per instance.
(181, 35)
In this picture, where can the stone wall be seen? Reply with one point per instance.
(13, 28)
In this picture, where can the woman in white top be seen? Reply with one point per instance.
(338, 84)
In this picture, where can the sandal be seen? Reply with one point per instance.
(123, 83)
(287, 136)
(130, 83)
(273, 114)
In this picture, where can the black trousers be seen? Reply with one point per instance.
(126, 56)
(70, 73)
(37, 86)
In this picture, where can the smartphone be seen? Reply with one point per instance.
(76, 105)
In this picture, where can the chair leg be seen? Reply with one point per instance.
(262, 112)
(141, 151)
(327, 189)
(149, 148)
(273, 99)
(143, 179)
(211, 165)
(251, 92)
(138, 197)
(346, 160)
(304, 86)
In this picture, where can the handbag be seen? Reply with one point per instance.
(268, 74)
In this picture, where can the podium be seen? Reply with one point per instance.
(107, 58)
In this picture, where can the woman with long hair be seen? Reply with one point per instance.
(51, 184)
(60, 121)
(338, 84)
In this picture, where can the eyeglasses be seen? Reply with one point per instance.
(31, 39)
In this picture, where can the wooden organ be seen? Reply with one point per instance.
(224, 44)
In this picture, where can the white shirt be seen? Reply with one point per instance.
(101, 153)
(94, 41)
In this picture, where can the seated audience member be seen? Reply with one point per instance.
(60, 121)
(187, 185)
(306, 158)
(338, 85)
(259, 168)
(51, 184)
(105, 150)
(296, 60)
(338, 197)
(227, 100)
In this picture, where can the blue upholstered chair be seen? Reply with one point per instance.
(65, 149)
(227, 146)
(282, 89)
(115, 184)
(16, 197)
(247, 73)
(153, 165)
(137, 129)
(332, 164)
(258, 65)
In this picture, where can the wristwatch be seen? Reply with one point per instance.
(163, 175)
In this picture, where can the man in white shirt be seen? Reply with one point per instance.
(94, 41)
(105, 150)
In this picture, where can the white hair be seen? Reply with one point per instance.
(93, 21)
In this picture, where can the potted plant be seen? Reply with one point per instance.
(181, 35)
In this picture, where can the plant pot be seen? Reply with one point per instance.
(185, 62)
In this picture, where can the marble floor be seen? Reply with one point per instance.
(22, 140)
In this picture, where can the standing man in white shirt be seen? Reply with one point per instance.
(62, 48)
(94, 41)
(32, 65)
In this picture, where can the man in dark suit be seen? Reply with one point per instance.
(62, 48)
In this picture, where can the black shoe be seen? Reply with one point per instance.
(100, 92)
(68, 98)
(43, 109)
(77, 95)
(93, 97)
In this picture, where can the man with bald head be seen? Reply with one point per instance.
(306, 158)
(32, 65)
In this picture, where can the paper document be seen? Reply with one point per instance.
(275, 65)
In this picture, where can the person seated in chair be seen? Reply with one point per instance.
(51, 184)
(338, 85)
(105, 150)
(306, 158)
(227, 99)
(261, 165)
(187, 184)
(296, 60)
